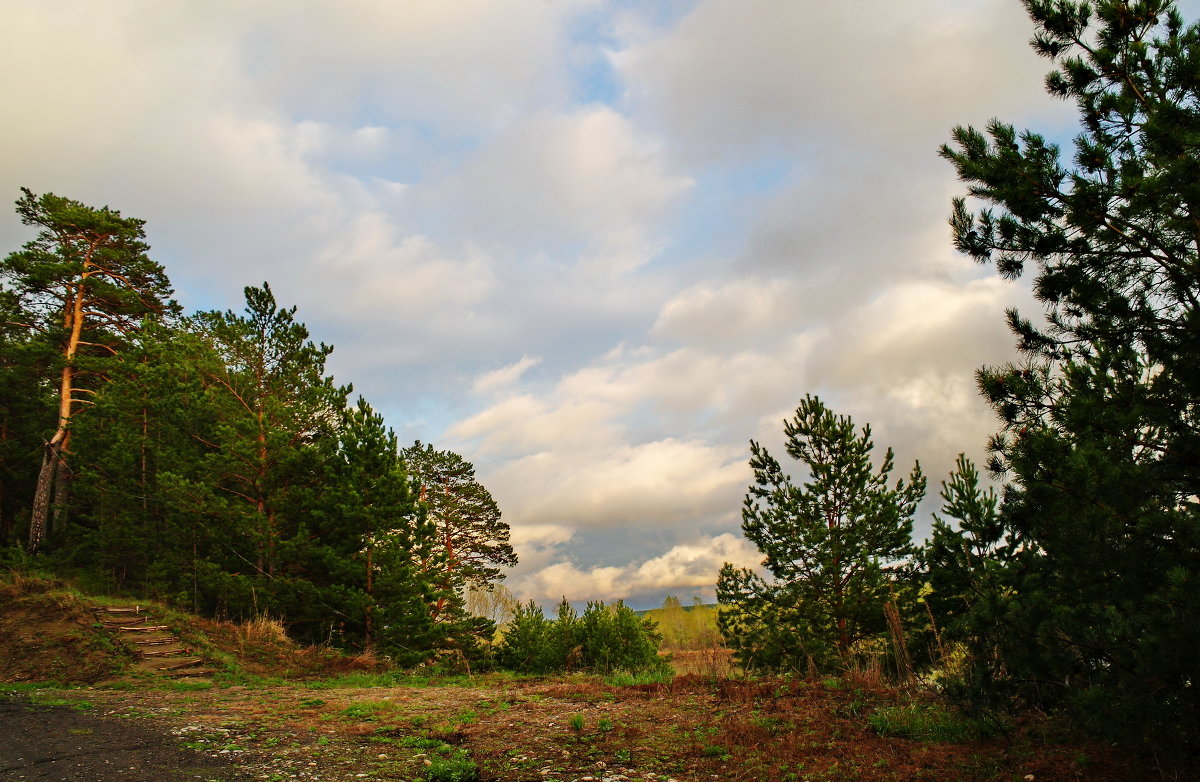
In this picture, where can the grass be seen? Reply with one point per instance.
(927, 722)
(627, 679)
(453, 766)
(40, 699)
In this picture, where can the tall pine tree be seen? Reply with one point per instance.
(83, 285)
(1101, 439)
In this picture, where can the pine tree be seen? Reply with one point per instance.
(270, 447)
(1100, 442)
(827, 544)
(83, 285)
(26, 408)
(134, 450)
(276, 434)
(376, 518)
(472, 536)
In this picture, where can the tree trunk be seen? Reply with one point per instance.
(62, 494)
(41, 497)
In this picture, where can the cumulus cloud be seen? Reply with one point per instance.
(504, 377)
(687, 568)
(550, 181)
(738, 74)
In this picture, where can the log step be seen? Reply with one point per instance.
(117, 610)
(167, 652)
(146, 629)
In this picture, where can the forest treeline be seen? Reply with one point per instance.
(210, 459)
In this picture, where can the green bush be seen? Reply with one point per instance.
(603, 639)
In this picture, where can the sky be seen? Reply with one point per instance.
(594, 246)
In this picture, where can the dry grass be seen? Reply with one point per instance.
(262, 630)
(712, 663)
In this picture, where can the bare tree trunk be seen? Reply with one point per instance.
(41, 497)
(62, 495)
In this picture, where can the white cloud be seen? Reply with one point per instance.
(504, 377)
(738, 74)
(686, 568)
(549, 182)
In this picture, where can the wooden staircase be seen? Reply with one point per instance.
(160, 652)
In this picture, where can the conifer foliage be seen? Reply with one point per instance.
(827, 545)
(1099, 551)
(604, 639)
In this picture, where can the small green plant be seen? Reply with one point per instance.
(577, 723)
(454, 766)
(604, 725)
(624, 756)
(366, 711)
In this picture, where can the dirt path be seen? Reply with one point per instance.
(63, 743)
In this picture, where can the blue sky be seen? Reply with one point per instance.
(594, 247)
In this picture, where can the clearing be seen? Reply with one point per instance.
(263, 709)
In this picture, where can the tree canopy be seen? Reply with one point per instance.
(1098, 540)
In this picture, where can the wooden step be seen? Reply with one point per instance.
(117, 610)
(153, 641)
(119, 621)
(146, 629)
(167, 652)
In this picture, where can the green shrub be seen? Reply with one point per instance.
(603, 639)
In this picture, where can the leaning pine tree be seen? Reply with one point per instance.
(82, 285)
(827, 543)
(1101, 430)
